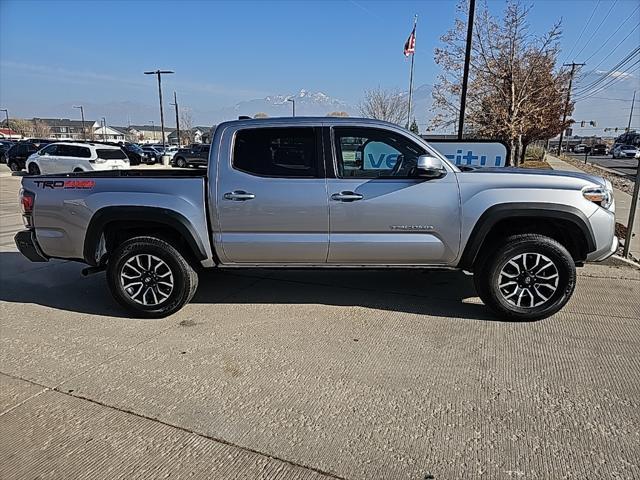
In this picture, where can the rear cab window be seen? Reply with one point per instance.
(277, 152)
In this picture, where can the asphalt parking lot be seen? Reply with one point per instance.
(624, 166)
(312, 375)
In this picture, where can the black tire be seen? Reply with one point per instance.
(496, 266)
(183, 277)
(34, 169)
(14, 166)
(181, 162)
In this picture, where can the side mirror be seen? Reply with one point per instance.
(430, 167)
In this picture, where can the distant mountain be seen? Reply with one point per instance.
(307, 104)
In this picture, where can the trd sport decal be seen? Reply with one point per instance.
(66, 184)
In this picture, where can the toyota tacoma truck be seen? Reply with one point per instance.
(323, 192)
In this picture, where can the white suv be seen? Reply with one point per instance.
(76, 157)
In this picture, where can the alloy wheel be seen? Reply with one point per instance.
(147, 279)
(528, 280)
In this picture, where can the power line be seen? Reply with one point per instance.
(607, 98)
(612, 80)
(583, 29)
(607, 85)
(597, 28)
(603, 78)
(611, 52)
(602, 45)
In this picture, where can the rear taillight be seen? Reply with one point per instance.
(27, 199)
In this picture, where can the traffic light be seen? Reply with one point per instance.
(582, 124)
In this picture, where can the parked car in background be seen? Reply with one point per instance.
(17, 155)
(195, 155)
(154, 154)
(599, 149)
(5, 145)
(76, 157)
(135, 153)
(625, 151)
(581, 148)
(171, 150)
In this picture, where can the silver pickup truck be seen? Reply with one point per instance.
(323, 192)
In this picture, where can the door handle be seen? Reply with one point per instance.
(239, 196)
(346, 197)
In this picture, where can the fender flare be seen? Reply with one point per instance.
(169, 218)
(503, 211)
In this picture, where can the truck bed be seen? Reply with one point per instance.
(146, 173)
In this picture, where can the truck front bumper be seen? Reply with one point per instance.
(28, 246)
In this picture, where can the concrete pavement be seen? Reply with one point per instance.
(313, 374)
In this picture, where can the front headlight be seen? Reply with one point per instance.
(602, 196)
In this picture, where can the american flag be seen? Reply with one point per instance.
(410, 44)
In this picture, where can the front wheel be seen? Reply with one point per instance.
(181, 162)
(150, 278)
(14, 166)
(34, 169)
(529, 278)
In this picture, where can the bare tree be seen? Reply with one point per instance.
(41, 129)
(22, 127)
(261, 115)
(337, 114)
(186, 127)
(515, 91)
(391, 106)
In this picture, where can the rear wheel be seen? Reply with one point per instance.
(34, 169)
(14, 166)
(529, 278)
(150, 278)
(181, 162)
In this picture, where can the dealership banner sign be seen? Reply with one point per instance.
(473, 152)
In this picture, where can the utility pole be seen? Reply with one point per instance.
(467, 61)
(634, 199)
(84, 131)
(573, 66)
(293, 106)
(159, 74)
(175, 104)
(628, 126)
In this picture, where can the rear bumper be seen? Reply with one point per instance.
(28, 246)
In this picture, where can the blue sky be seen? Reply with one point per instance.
(57, 53)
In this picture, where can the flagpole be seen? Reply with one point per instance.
(415, 22)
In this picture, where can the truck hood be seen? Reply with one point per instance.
(537, 172)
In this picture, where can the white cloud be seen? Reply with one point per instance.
(615, 74)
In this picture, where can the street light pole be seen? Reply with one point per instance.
(84, 131)
(175, 104)
(636, 194)
(159, 74)
(293, 105)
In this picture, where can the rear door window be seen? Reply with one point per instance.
(111, 154)
(277, 152)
